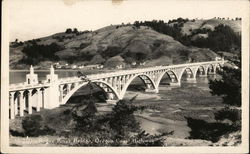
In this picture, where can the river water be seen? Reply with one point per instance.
(174, 104)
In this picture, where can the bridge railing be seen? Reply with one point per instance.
(117, 73)
(141, 70)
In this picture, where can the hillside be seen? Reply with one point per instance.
(217, 34)
(190, 26)
(128, 42)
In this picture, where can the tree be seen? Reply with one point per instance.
(111, 51)
(68, 31)
(97, 59)
(137, 24)
(84, 115)
(129, 60)
(223, 38)
(122, 119)
(36, 53)
(119, 127)
(212, 131)
(114, 61)
(229, 87)
(140, 56)
(75, 31)
(33, 125)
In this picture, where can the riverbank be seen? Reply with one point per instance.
(172, 106)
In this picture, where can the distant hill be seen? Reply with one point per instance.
(130, 42)
(217, 34)
(190, 26)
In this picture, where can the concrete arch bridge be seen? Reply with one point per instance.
(54, 92)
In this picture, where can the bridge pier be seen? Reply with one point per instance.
(38, 97)
(53, 90)
(16, 105)
(191, 80)
(211, 73)
(21, 105)
(46, 100)
(203, 75)
(12, 105)
(29, 102)
(53, 96)
(175, 84)
(151, 90)
(60, 94)
(162, 88)
(109, 101)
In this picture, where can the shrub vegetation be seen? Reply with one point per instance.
(118, 128)
(229, 87)
(36, 53)
(34, 126)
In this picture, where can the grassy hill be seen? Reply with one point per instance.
(190, 26)
(217, 34)
(130, 42)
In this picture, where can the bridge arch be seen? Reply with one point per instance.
(218, 66)
(124, 89)
(108, 87)
(17, 98)
(201, 69)
(210, 66)
(187, 69)
(171, 74)
(25, 95)
(77, 87)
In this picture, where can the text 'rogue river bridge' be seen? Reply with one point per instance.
(54, 92)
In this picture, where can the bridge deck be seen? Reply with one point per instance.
(24, 86)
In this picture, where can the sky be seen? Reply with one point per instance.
(30, 19)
